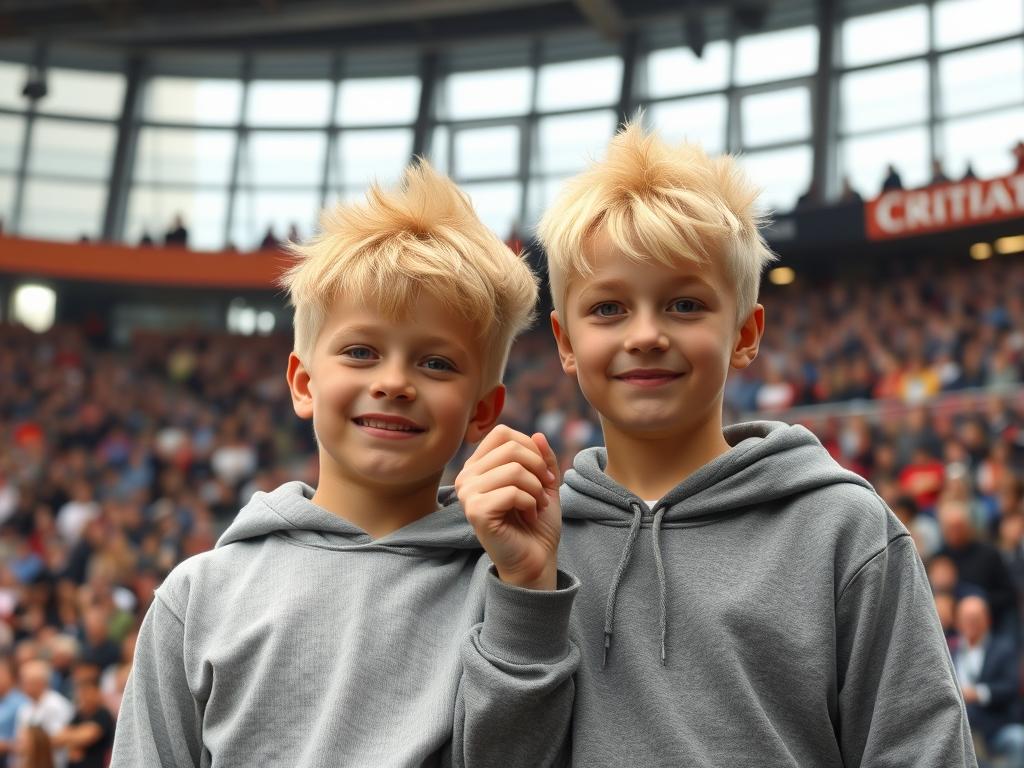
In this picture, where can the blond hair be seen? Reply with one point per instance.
(660, 202)
(423, 235)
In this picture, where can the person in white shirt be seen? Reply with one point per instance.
(45, 708)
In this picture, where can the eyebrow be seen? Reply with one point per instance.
(613, 283)
(375, 331)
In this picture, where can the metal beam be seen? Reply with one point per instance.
(604, 16)
(124, 155)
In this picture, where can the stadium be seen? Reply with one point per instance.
(157, 161)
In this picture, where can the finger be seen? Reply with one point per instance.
(511, 453)
(511, 474)
(550, 459)
(501, 503)
(497, 437)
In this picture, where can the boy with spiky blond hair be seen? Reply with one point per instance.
(745, 600)
(360, 623)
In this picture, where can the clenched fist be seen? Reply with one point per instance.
(509, 490)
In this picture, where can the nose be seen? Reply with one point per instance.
(644, 334)
(393, 383)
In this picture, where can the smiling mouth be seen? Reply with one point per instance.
(388, 425)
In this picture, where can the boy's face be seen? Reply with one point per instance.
(651, 345)
(392, 401)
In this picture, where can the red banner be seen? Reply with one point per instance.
(942, 207)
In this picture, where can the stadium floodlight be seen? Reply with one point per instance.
(981, 251)
(1013, 244)
(34, 306)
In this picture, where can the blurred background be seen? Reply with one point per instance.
(154, 158)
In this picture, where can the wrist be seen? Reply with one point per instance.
(546, 580)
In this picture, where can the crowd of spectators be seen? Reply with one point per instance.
(119, 463)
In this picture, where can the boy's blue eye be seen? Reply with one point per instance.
(359, 353)
(686, 305)
(607, 309)
(438, 364)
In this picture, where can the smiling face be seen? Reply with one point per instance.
(651, 345)
(392, 400)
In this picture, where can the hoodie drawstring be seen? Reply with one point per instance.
(662, 588)
(627, 554)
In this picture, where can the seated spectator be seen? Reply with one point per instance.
(46, 708)
(988, 670)
(269, 241)
(848, 193)
(938, 175)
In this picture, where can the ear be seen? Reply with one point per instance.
(565, 352)
(748, 339)
(485, 415)
(298, 384)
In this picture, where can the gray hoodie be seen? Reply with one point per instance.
(768, 611)
(300, 641)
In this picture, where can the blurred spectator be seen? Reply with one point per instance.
(969, 174)
(46, 708)
(269, 241)
(848, 194)
(294, 235)
(1018, 155)
(938, 175)
(892, 179)
(34, 748)
(988, 670)
(177, 235)
(90, 735)
(11, 700)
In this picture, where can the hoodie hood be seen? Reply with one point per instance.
(289, 512)
(768, 461)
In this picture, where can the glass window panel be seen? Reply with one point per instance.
(379, 101)
(288, 102)
(701, 120)
(988, 77)
(487, 152)
(540, 195)
(6, 199)
(676, 71)
(885, 36)
(776, 55)
(865, 159)
(567, 142)
(185, 156)
(67, 148)
(368, 156)
(12, 80)
(497, 205)
(57, 210)
(284, 158)
(782, 174)
(776, 116)
(490, 93)
(439, 148)
(877, 98)
(151, 211)
(573, 84)
(256, 210)
(190, 100)
(959, 22)
(88, 94)
(984, 141)
(12, 133)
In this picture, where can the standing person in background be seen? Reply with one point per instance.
(11, 700)
(46, 708)
(90, 735)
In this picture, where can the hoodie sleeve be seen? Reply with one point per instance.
(515, 698)
(899, 702)
(159, 723)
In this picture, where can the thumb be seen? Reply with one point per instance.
(549, 458)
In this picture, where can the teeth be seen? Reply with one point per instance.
(378, 424)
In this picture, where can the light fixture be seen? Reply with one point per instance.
(981, 251)
(782, 276)
(34, 306)
(1013, 244)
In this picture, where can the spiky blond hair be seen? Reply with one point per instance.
(422, 235)
(659, 202)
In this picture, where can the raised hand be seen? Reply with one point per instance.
(509, 490)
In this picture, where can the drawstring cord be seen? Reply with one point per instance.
(627, 554)
(662, 587)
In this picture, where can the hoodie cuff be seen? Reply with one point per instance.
(527, 626)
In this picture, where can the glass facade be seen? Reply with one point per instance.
(242, 145)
